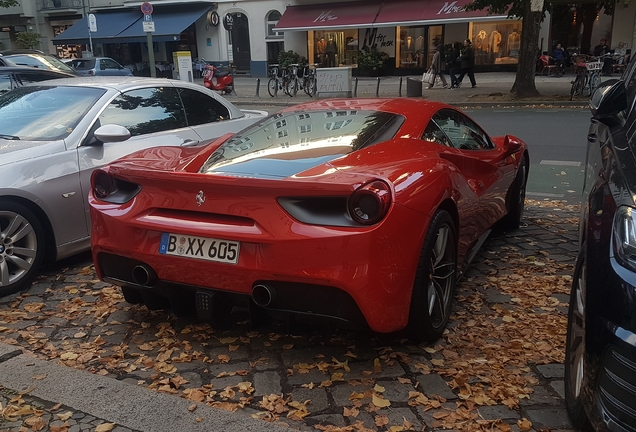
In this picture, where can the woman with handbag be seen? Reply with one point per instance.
(437, 67)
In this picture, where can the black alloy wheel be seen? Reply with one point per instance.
(435, 280)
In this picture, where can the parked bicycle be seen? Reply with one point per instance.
(587, 78)
(309, 82)
(279, 80)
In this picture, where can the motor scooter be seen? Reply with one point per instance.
(219, 79)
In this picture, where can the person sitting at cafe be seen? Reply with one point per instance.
(600, 50)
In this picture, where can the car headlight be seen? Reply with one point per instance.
(624, 237)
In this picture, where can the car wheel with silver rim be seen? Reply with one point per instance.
(21, 246)
(435, 280)
(575, 348)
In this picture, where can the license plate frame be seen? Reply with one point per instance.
(201, 248)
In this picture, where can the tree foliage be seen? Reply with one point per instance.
(8, 3)
(28, 40)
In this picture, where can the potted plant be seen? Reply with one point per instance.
(372, 62)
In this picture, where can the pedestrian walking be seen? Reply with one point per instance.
(437, 65)
(454, 61)
(468, 64)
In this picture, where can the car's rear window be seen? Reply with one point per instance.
(304, 136)
(42, 113)
(83, 64)
(39, 61)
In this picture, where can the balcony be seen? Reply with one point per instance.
(55, 7)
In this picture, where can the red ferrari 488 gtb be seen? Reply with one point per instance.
(366, 211)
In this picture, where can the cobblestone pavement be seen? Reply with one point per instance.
(498, 365)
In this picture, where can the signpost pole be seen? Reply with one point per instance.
(91, 24)
(149, 27)
(151, 55)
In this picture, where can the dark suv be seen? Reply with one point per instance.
(600, 357)
(33, 58)
(16, 76)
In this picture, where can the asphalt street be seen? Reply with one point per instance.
(80, 358)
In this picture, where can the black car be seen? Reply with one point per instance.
(34, 58)
(17, 76)
(600, 357)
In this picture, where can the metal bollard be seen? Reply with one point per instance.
(377, 89)
(258, 87)
(400, 90)
(355, 88)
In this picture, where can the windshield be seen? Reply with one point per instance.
(302, 137)
(40, 61)
(45, 112)
(82, 64)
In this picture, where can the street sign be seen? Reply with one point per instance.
(146, 8)
(213, 18)
(228, 22)
(147, 17)
(148, 26)
(92, 23)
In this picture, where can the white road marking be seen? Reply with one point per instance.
(544, 195)
(563, 163)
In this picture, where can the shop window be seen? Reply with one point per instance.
(272, 19)
(416, 45)
(496, 42)
(333, 48)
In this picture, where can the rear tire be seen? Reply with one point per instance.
(272, 87)
(435, 280)
(575, 348)
(21, 247)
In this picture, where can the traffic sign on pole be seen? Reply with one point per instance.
(146, 8)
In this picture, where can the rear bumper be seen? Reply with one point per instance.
(353, 275)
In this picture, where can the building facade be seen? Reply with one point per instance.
(250, 33)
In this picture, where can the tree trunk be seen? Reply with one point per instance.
(589, 16)
(524, 85)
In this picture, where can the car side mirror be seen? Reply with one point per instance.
(511, 145)
(608, 101)
(112, 133)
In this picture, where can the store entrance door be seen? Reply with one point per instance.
(241, 42)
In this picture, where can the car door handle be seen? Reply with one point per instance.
(592, 137)
(189, 143)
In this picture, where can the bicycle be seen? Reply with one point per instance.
(309, 79)
(275, 83)
(587, 78)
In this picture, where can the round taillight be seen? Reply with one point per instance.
(103, 184)
(370, 203)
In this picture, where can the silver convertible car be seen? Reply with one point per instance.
(54, 134)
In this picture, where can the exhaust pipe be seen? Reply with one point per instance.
(144, 276)
(263, 295)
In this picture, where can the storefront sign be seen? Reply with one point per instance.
(325, 16)
(213, 18)
(450, 8)
(379, 39)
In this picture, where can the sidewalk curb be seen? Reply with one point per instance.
(131, 406)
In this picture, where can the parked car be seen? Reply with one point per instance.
(54, 134)
(364, 211)
(16, 76)
(600, 355)
(99, 66)
(34, 58)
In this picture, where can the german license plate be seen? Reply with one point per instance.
(206, 73)
(209, 249)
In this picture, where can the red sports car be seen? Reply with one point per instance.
(366, 211)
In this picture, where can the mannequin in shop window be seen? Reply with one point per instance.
(331, 50)
(321, 46)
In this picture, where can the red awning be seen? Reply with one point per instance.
(376, 13)
(409, 12)
(329, 16)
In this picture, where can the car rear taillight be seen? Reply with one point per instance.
(102, 184)
(91, 72)
(107, 188)
(370, 203)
